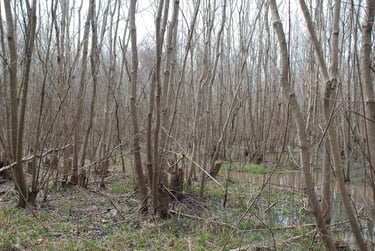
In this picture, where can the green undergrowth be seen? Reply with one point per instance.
(249, 168)
(121, 186)
(251, 216)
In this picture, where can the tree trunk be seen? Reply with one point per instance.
(18, 124)
(133, 107)
(94, 62)
(7, 139)
(368, 76)
(29, 48)
(209, 109)
(169, 74)
(35, 168)
(328, 107)
(326, 186)
(160, 197)
(80, 104)
(13, 79)
(302, 136)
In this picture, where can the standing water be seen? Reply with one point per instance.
(358, 189)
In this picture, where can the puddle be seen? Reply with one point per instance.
(360, 194)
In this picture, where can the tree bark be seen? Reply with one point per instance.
(159, 196)
(331, 83)
(80, 103)
(326, 185)
(368, 76)
(35, 171)
(94, 62)
(302, 136)
(13, 79)
(18, 124)
(169, 73)
(29, 48)
(209, 109)
(6, 141)
(133, 108)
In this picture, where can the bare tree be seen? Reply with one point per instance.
(18, 124)
(209, 94)
(6, 136)
(160, 196)
(80, 105)
(94, 62)
(13, 81)
(302, 136)
(110, 105)
(368, 76)
(331, 81)
(184, 63)
(35, 164)
(199, 93)
(133, 107)
(64, 82)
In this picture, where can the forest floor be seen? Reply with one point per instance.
(254, 217)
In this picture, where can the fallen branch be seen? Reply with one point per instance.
(28, 158)
(241, 248)
(295, 238)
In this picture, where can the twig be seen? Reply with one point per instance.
(114, 205)
(269, 207)
(339, 223)
(201, 218)
(295, 226)
(241, 248)
(313, 240)
(35, 156)
(363, 116)
(299, 236)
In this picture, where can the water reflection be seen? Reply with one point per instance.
(359, 191)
